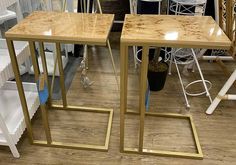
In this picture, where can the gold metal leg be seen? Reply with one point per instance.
(61, 71)
(34, 60)
(109, 126)
(36, 74)
(143, 88)
(43, 107)
(125, 65)
(46, 123)
(123, 91)
(45, 70)
(197, 155)
(20, 89)
(196, 139)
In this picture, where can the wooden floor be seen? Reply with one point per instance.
(217, 133)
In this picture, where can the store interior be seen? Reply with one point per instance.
(78, 94)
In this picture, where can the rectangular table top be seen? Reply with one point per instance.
(61, 26)
(174, 31)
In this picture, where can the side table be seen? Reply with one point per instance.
(58, 27)
(163, 31)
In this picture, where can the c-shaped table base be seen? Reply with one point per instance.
(142, 110)
(49, 142)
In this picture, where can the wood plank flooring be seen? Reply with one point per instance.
(217, 133)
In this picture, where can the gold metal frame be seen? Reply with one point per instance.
(142, 110)
(197, 155)
(49, 142)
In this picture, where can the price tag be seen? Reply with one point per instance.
(42, 90)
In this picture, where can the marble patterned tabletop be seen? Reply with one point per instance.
(61, 26)
(174, 31)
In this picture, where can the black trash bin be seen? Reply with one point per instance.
(157, 76)
(157, 79)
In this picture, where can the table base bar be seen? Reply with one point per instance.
(197, 155)
(164, 153)
(77, 145)
(70, 145)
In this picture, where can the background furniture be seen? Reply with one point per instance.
(50, 49)
(180, 56)
(228, 23)
(6, 14)
(222, 95)
(4, 4)
(12, 124)
(190, 7)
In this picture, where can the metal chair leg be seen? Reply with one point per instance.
(182, 85)
(222, 93)
(200, 72)
(171, 61)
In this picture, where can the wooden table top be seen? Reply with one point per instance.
(174, 31)
(61, 26)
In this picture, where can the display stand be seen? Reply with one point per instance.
(162, 31)
(40, 30)
(12, 123)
